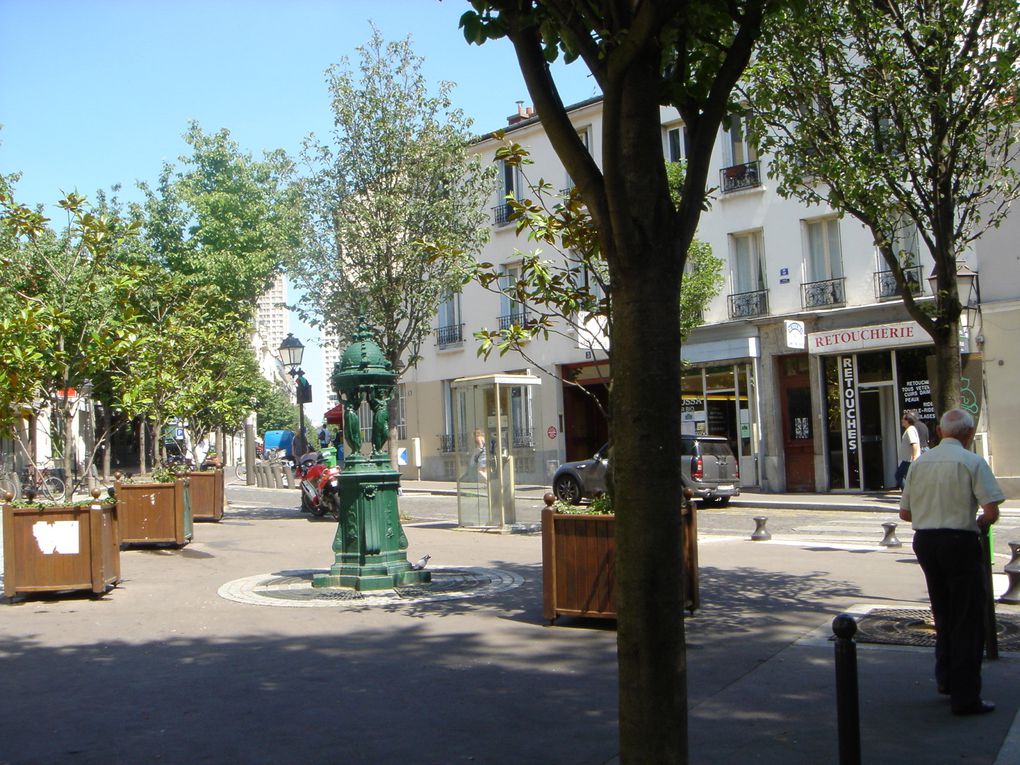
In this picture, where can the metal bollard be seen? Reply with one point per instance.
(1012, 569)
(848, 715)
(760, 534)
(890, 540)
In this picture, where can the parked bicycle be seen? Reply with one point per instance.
(38, 480)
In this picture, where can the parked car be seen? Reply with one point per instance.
(707, 464)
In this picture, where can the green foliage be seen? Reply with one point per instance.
(573, 292)
(395, 174)
(223, 220)
(274, 410)
(61, 318)
(901, 115)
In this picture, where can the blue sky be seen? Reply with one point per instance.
(98, 93)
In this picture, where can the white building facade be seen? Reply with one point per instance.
(805, 360)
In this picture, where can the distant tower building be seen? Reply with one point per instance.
(273, 318)
(330, 356)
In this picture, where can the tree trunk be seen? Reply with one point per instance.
(647, 492)
(107, 443)
(948, 368)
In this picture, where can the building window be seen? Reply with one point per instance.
(824, 285)
(401, 422)
(748, 262)
(584, 136)
(450, 329)
(512, 311)
(825, 258)
(678, 143)
(743, 171)
(749, 297)
(510, 187)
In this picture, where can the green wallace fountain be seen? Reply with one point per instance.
(370, 546)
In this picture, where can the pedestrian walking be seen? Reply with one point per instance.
(910, 447)
(944, 488)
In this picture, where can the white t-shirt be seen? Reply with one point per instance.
(906, 453)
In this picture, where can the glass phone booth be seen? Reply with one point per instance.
(494, 419)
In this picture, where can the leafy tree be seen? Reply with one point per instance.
(395, 174)
(223, 219)
(902, 114)
(65, 288)
(274, 409)
(642, 55)
(572, 295)
(219, 227)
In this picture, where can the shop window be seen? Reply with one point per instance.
(874, 367)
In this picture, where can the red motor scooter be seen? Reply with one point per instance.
(320, 485)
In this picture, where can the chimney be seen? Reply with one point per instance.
(522, 114)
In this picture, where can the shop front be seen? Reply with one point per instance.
(870, 376)
(720, 397)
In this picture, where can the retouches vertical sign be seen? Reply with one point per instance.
(848, 395)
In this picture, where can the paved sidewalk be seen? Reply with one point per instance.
(164, 669)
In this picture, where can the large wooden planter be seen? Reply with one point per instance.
(61, 547)
(154, 513)
(579, 564)
(206, 490)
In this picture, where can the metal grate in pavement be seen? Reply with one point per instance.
(914, 626)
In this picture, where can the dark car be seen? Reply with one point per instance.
(708, 467)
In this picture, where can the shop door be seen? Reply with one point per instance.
(878, 438)
(798, 435)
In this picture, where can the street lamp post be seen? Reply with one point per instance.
(291, 353)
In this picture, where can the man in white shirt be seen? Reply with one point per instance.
(910, 447)
(943, 490)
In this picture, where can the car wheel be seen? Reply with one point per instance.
(567, 489)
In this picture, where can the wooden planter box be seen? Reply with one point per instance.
(56, 548)
(154, 513)
(579, 564)
(206, 490)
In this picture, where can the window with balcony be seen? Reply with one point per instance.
(450, 329)
(743, 171)
(511, 310)
(825, 283)
(906, 246)
(750, 297)
(510, 186)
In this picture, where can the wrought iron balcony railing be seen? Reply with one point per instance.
(501, 214)
(828, 292)
(520, 318)
(739, 177)
(447, 443)
(452, 334)
(885, 283)
(745, 305)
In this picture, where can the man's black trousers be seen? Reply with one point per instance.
(954, 570)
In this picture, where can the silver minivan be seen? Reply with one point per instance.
(708, 467)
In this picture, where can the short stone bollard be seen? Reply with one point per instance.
(848, 714)
(890, 540)
(262, 475)
(1012, 569)
(277, 469)
(760, 533)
